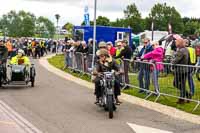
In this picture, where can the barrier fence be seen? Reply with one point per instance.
(150, 78)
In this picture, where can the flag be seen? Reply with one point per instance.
(170, 28)
(86, 16)
(152, 26)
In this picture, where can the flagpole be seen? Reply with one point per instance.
(94, 33)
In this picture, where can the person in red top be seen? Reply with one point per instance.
(111, 49)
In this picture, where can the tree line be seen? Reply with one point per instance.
(161, 15)
(26, 24)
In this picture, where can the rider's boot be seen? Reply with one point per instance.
(97, 101)
(117, 101)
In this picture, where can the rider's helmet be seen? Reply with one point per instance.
(20, 51)
(102, 44)
(103, 52)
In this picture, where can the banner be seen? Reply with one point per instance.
(86, 16)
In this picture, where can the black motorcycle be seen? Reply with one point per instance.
(107, 99)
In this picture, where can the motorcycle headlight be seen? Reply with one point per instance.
(109, 76)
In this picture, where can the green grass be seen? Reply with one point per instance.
(58, 62)
(166, 86)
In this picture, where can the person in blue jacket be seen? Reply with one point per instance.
(144, 73)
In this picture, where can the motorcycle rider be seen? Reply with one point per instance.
(20, 59)
(106, 64)
(3, 58)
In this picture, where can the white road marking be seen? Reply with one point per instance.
(24, 125)
(144, 129)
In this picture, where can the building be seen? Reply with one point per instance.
(103, 33)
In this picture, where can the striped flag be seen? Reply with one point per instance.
(170, 28)
(152, 26)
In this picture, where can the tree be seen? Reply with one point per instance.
(133, 18)
(103, 21)
(162, 15)
(185, 20)
(45, 28)
(69, 27)
(132, 11)
(27, 24)
(91, 23)
(19, 24)
(118, 23)
(191, 28)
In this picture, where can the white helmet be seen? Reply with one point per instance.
(21, 51)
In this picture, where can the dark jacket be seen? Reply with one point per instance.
(67, 47)
(182, 58)
(90, 49)
(3, 54)
(145, 50)
(107, 67)
(85, 50)
(126, 53)
(79, 48)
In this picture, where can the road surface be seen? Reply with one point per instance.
(56, 105)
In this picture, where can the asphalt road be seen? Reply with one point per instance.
(55, 105)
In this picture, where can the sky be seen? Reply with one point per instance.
(73, 10)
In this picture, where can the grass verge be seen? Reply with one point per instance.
(58, 62)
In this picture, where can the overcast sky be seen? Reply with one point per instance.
(73, 10)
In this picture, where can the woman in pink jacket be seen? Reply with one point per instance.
(157, 55)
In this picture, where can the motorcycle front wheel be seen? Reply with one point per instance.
(110, 106)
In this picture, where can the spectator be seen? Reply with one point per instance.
(111, 49)
(79, 47)
(144, 73)
(181, 57)
(157, 55)
(118, 51)
(192, 61)
(90, 46)
(29, 49)
(54, 47)
(71, 55)
(85, 59)
(67, 46)
(126, 54)
(84, 47)
(9, 47)
(42, 47)
(37, 50)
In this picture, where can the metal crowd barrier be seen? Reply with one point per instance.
(164, 79)
(180, 81)
(150, 78)
(78, 62)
